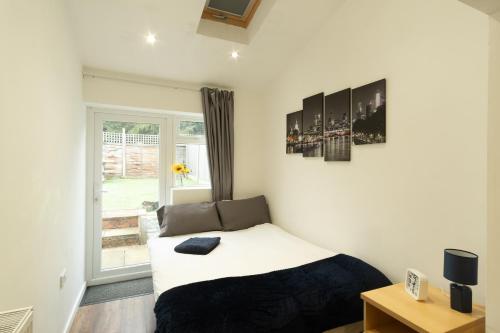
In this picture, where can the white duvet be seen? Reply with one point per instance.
(260, 249)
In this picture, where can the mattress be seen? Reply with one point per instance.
(260, 249)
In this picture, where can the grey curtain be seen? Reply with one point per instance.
(218, 111)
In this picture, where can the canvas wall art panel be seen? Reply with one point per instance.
(312, 121)
(338, 126)
(369, 113)
(294, 134)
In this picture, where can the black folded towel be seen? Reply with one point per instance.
(198, 245)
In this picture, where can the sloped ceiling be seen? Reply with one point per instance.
(490, 7)
(110, 35)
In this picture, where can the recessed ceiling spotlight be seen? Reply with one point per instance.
(235, 54)
(150, 38)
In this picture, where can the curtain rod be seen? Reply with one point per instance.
(146, 82)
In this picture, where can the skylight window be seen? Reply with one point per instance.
(234, 12)
(234, 7)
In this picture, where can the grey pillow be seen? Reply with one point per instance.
(189, 218)
(159, 214)
(243, 214)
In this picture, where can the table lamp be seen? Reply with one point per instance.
(460, 267)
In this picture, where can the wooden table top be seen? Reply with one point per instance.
(432, 315)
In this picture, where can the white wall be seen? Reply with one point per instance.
(42, 169)
(249, 144)
(399, 204)
(493, 298)
(141, 92)
(148, 93)
(189, 195)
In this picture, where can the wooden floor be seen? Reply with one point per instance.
(135, 315)
(130, 315)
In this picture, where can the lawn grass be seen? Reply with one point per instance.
(128, 193)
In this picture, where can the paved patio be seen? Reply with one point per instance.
(133, 254)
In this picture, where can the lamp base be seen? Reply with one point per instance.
(460, 298)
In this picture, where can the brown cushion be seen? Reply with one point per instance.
(189, 218)
(243, 214)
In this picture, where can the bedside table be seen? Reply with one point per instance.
(392, 310)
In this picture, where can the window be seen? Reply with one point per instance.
(130, 177)
(191, 128)
(191, 150)
(234, 12)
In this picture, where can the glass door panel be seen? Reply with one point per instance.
(128, 181)
(130, 186)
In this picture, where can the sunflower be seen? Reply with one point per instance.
(178, 168)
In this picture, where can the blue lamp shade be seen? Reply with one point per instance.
(460, 266)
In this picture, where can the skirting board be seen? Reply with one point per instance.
(75, 308)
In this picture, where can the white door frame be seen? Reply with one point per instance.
(96, 113)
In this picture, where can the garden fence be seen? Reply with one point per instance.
(130, 155)
(131, 139)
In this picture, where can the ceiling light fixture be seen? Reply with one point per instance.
(235, 55)
(150, 38)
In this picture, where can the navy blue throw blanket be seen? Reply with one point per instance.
(198, 245)
(310, 298)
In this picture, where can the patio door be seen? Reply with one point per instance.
(129, 155)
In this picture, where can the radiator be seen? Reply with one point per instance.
(17, 321)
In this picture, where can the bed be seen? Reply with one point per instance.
(261, 249)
